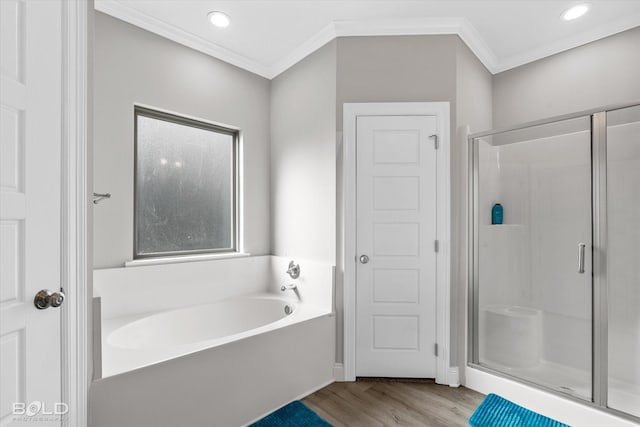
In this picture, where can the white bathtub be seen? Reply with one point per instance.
(209, 323)
(180, 359)
(135, 341)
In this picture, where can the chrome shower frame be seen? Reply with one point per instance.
(599, 238)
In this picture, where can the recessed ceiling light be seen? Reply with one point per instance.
(575, 12)
(219, 19)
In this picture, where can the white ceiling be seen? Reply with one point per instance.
(268, 36)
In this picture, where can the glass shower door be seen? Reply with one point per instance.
(532, 269)
(623, 259)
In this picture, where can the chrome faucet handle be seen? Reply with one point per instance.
(285, 287)
(294, 270)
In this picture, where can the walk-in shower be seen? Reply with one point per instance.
(555, 287)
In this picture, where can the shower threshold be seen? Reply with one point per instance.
(562, 378)
(623, 396)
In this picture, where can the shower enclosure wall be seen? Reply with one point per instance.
(555, 288)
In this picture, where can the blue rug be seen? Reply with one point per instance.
(496, 411)
(295, 414)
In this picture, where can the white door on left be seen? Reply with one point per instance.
(30, 155)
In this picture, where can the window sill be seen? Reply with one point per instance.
(184, 258)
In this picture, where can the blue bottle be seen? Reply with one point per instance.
(497, 214)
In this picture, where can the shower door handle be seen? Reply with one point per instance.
(581, 247)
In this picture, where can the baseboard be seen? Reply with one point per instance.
(453, 377)
(338, 371)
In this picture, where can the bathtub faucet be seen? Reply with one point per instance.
(291, 286)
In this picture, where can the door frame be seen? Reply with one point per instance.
(75, 198)
(445, 374)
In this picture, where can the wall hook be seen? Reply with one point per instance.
(98, 197)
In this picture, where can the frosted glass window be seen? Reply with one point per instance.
(185, 190)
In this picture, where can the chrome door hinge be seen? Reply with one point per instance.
(436, 245)
(435, 349)
(436, 141)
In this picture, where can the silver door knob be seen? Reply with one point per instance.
(364, 259)
(46, 298)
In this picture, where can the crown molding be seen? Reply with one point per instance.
(600, 32)
(399, 27)
(120, 10)
(418, 26)
(474, 41)
(312, 44)
(423, 26)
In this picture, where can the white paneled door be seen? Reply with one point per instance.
(396, 258)
(30, 148)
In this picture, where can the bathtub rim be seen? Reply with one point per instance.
(136, 319)
(303, 313)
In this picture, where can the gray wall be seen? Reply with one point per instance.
(421, 69)
(474, 93)
(395, 69)
(303, 158)
(599, 73)
(474, 90)
(390, 69)
(135, 66)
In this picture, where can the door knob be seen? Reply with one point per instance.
(364, 259)
(46, 298)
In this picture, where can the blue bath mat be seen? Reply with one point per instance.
(295, 414)
(496, 411)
